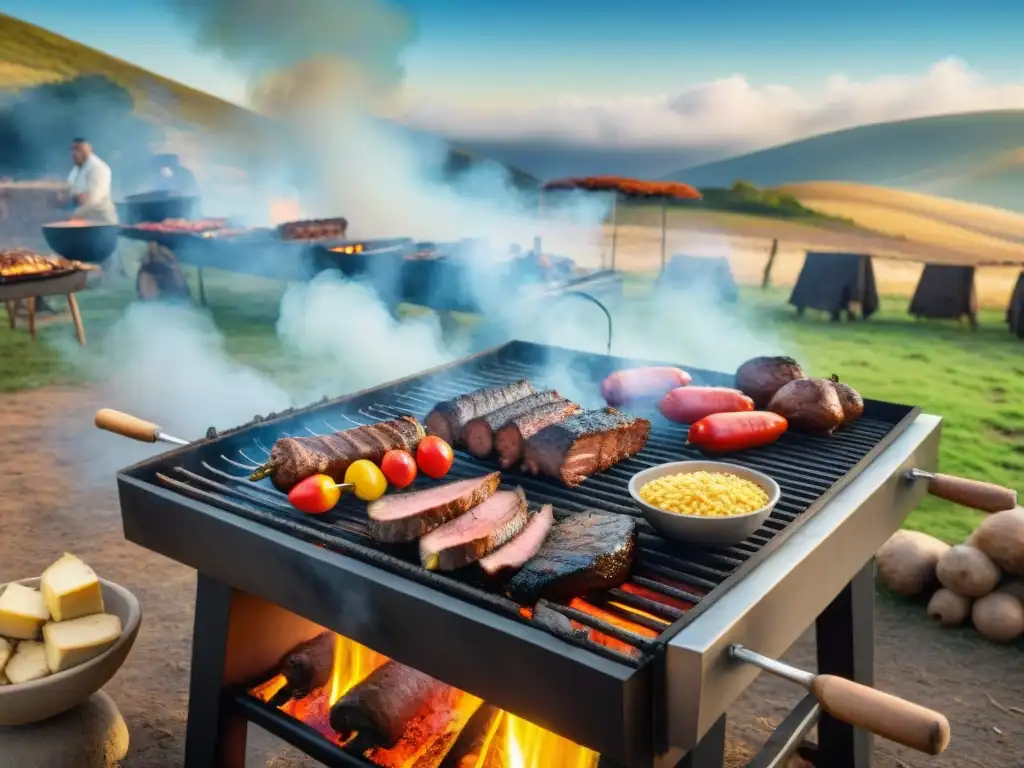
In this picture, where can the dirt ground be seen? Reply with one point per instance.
(57, 493)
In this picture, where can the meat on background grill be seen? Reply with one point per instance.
(480, 531)
(313, 229)
(405, 517)
(380, 707)
(293, 459)
(585, 444)
(478, 434)
(517, 552)
(586, 551)
(448, 418)
(510, 440)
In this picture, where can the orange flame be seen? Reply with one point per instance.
(511, 742)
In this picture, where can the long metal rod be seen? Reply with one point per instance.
(775, 667)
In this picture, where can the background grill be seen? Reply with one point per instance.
(671, 583)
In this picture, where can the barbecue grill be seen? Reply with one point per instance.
(654, 697)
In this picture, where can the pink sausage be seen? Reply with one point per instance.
(622, 387)
(687, 405)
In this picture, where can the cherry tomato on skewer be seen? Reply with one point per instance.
(399, 467)
(434, 457)
(315, 495)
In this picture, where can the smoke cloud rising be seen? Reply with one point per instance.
(318, 67)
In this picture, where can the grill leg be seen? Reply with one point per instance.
(213, 737)
(710, 751)
(845, 637)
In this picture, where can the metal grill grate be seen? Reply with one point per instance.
(670, 584)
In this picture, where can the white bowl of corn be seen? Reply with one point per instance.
(712, 503)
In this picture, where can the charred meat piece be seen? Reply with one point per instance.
(478, 434)
(404, 517)
(510, 440)
(448, 418)
(517, 552)
(293, 459)
(586, 551)
(467, 538)
(381, 707)
(306, 668)
(585, 444)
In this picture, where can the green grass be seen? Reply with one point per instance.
(975, 381)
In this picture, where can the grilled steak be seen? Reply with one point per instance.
(585, 444)
(478, 434)
(381, 707)
(514, 555)
(404, 517)
(483, 529)
(510, 440)
(293, 459)
(589, 550)
(448, 418)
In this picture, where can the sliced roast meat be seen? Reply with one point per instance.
(514, 555)
(480, 531)
(405, 517)
(586, 551)
(448, 418)
(478, 434)
(585, 444)
(510, 440)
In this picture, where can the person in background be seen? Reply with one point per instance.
(90, 185)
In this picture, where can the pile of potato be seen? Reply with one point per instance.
(982, 579)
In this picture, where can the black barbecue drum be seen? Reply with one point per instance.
(641, 674)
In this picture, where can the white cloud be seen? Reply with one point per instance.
(729, 111)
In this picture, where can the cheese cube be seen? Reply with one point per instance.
(74, 642)
(28, 663)
(22, 612)
(71, 589)
(6, 651)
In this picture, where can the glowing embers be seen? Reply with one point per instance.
(348, 249)
(397, 717)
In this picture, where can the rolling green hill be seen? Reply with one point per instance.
(31, 55)
(978, 157)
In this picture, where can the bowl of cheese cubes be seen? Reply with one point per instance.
(62, 637)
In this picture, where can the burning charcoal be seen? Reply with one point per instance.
(471, 745)
(306, 668)
(381, 707)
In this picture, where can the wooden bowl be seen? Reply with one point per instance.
(53, 695)
(695, 529)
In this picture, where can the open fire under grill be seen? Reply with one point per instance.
(641, 675)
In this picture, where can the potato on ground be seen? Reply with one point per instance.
(906, 562)
(999, 617)
(967, 571)
(1001, 537)
(948, 608)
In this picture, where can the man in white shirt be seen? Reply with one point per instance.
(90, 185)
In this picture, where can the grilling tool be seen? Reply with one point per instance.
(129, 426)
(985, 497)
(880, 713)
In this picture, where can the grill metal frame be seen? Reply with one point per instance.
(367, 602)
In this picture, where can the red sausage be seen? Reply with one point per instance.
(723, 432)
(689, 404)
(642, 383)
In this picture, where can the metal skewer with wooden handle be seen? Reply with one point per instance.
(985, 497)
(858, 705)
(129, 426)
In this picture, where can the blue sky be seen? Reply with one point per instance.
(534, 50)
